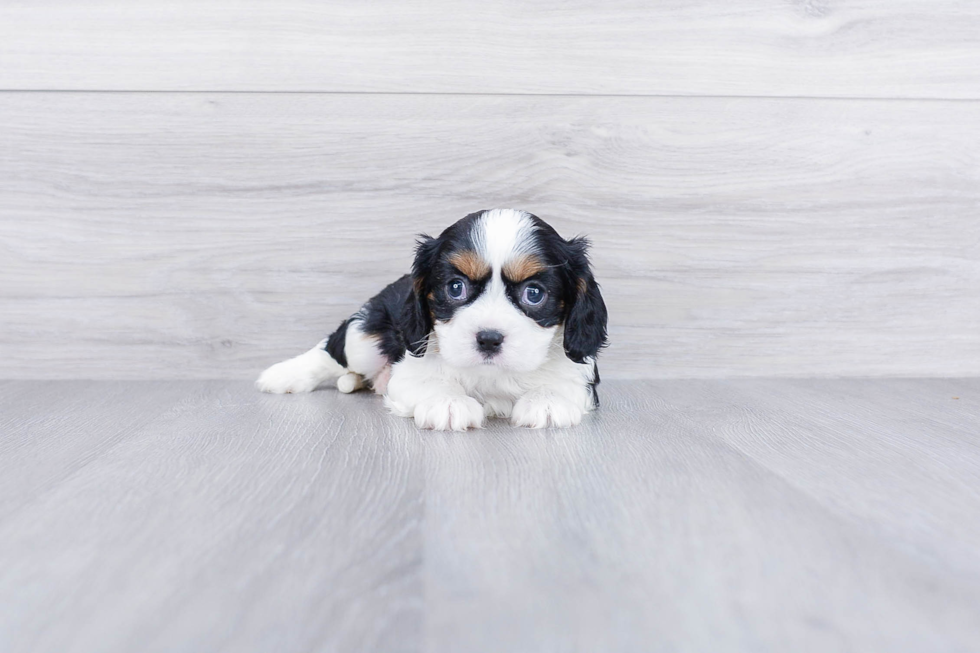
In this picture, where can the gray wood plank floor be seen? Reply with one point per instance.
(763, 515)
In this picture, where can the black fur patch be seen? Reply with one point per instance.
(381, 317)
(336, 343)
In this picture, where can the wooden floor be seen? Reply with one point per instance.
(762, 515)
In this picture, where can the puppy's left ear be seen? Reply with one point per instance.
(585, 323)
(416, 320)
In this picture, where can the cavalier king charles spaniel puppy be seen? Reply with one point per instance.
(501, 317)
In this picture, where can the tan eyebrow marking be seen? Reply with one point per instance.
(469, 263)
(524, 266)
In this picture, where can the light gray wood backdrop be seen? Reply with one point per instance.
(784, 188)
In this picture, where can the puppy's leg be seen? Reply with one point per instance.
(555, 406)
(350, 382)
(559, 398)
(348, 355)
(365, 361)
(418, 388)
(305, 372)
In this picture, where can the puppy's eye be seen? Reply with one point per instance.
(533, 295)
(456, 289)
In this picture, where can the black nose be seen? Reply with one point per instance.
(489, 341)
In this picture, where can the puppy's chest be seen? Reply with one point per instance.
(497, 387)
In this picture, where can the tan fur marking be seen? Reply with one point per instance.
(582, 286)
(469, 263)
(522, 267)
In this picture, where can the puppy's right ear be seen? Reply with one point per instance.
(416, 316)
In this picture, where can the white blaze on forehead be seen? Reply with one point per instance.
(502, 234)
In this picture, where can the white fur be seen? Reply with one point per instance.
(350, 382)
(555, 394)
(302, 373)
(525, 344)
(362, 352)
(448, 412)
(501, 234)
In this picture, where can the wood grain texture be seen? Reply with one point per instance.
(853, 48)
(714, 516)
(230, 521)
(35, 456)
(207, 236)
(762, 514)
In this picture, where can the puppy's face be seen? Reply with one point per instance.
(496, 287)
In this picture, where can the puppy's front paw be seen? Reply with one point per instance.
(449, 413)
(538, 410)
(288, 376)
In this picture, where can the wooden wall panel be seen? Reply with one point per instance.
(826, 48)
(208, 235)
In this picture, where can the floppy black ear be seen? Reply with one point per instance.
(416, 320)
(585, 323)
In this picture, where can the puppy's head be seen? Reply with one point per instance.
(497, 287)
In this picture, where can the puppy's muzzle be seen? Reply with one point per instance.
(489, 341)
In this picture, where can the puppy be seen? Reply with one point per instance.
(501, 317)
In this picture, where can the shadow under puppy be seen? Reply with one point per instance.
(501, 317)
